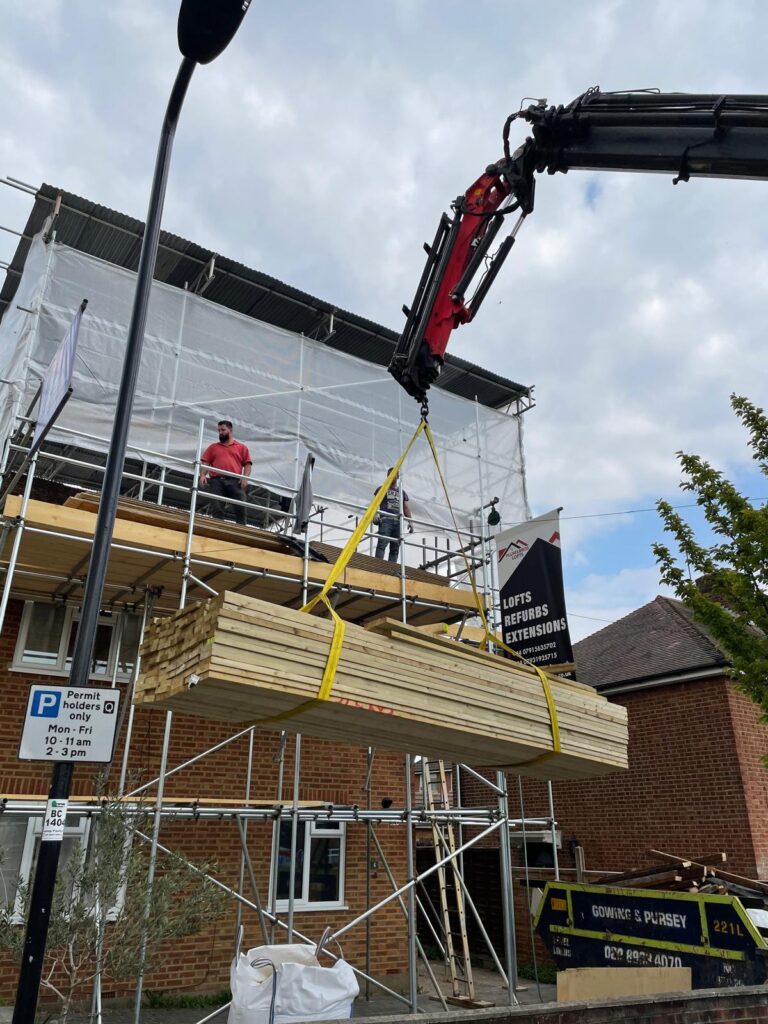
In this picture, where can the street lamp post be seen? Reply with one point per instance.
(205, 29)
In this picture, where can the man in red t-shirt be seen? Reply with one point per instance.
(231, 456)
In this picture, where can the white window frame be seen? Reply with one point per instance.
(80, 831)
(72, 615)
(315, 829)
(536, 835)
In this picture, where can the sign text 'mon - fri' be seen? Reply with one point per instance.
(69, 724)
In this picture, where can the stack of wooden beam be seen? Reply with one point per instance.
(239, 659)
(700, 874)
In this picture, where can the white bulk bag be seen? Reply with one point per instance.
(303, 990)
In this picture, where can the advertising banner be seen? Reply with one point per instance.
(533, 614)
(57, 382)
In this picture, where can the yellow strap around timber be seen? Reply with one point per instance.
(329, 673)
(489, 636)
(340, 565)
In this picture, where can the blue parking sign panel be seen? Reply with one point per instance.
(66, 723)
(46, 704)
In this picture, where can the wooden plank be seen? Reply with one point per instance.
(709, 858)
(395, 688)
(643, 872)
(720, 857)
(474, 635)
(726, 876)
(81, 523)
(653, 880)
(153, 515)
(391, 627)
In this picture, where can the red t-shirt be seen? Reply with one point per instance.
(232, 458)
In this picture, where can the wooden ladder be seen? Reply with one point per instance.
(452, 908)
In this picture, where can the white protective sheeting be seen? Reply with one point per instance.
(284, 393)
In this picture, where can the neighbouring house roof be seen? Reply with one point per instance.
(115, 237)
(658, 640)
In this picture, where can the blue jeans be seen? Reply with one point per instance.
(389, 533)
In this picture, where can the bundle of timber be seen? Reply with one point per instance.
(239, 659)
(683, 874)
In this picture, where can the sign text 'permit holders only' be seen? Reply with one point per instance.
(63, 723)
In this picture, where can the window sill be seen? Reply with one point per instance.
(18, 920)
(282, 907)
(34, 670)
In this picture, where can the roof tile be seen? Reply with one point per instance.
(659, 639)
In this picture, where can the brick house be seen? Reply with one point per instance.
(86, 249)
(696, 783)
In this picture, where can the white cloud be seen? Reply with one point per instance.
(602, 599)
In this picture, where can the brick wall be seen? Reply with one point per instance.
(329, 772)
(695, 783)
(752, 748)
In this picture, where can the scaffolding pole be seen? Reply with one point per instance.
(245, 860)
(419, 946)
(413, 987)
(14, 556)
(280, 759)
(294, 835)
(154, 845)
(249, 903)
(409, 885)
(507, 893)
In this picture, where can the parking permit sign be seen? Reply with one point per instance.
(69, 724)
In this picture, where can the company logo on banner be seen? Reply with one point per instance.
(533, 615)
(57, 382)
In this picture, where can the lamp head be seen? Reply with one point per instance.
(493, 517)
(206, 27)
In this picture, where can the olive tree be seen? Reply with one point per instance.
(105, 920)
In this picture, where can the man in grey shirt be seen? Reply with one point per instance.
(389, 520)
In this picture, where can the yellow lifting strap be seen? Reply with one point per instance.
(337, 569)
(340, 565)
(489, 636)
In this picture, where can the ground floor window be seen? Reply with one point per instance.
(19, 849)
(319, 878)
(537, 848)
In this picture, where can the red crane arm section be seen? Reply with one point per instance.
(480, 200)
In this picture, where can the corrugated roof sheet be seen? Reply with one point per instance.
(116, 238)
(657, 640)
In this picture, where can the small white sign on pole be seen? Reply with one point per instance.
(54, 821)
(69, 724)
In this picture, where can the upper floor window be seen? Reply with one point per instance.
(46, 641)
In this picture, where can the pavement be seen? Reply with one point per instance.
(488, 986)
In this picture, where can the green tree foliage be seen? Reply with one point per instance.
(731, 601)
(104, 918)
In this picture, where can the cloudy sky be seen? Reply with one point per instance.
(322, 147)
